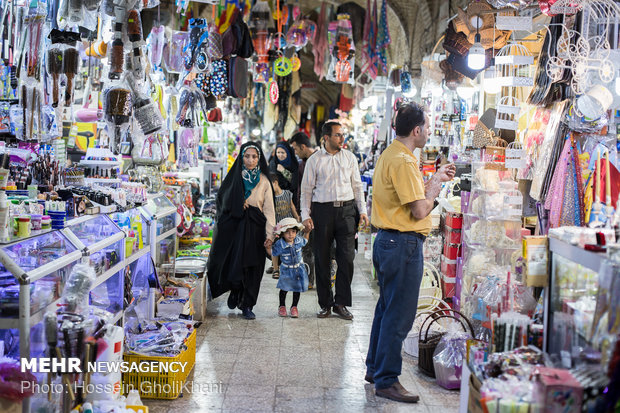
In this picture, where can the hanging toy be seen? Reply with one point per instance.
(274, 92)
(296, 63)
(283, 66)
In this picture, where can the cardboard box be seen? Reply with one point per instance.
(474, 405)
(536, 255)
(561, 392)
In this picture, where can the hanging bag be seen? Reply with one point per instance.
(218, 82)
(238, 77)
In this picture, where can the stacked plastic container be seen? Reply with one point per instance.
(491, 234)
(452, 237)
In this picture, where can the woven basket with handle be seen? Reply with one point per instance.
(428, 344)
(430, 68)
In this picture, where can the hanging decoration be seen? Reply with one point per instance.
(274, 92)
(342, 51)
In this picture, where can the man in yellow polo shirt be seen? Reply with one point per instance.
(401, 204)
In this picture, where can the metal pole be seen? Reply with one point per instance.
(24, 330)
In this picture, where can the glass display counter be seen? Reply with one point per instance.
(570, 300)
(162, 216)
(104, 247)
(33, 273)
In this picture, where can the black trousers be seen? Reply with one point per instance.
(307, 254)
(334, 223)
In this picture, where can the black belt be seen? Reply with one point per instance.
(414, 233)
(337, 204)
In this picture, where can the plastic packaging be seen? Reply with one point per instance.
(78, 285)
(145, 112)
(117, 107)
(71, 66)
(449, 355)
(155, 45)
(116, 53)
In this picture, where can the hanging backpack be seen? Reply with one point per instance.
(238, 77)
(245, 47)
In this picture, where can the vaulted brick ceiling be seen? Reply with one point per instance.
(415, 26)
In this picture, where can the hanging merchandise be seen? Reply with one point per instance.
(155, 44)
(342, 51)
(218, 81)
(117, 106)
(174, 51)
(383, 37)
(274, 92)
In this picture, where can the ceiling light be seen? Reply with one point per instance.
(465, 92)
(476, 57)
(255, 132)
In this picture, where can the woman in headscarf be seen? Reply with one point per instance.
(285, 165)
(245, 220)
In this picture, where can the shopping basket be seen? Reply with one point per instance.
(428, 344)
(161, 385)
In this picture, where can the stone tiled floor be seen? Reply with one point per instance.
(275, 364)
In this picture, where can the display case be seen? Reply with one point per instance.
(33, 273)
(162, 216)
(570, 300)
(103, 245)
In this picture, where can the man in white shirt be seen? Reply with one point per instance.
(331, 190)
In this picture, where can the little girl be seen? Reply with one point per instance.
(285, 208)
(293, 272)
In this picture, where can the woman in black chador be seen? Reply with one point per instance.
(285, 165)
(244, 229)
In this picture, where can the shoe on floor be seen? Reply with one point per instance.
(397, 393)
(369, 378)
(276, 274)
(324, 313)
(248, 314)
(294, 312)
(282, 311)
(233, 300)
(270, 270)
(342, 312)
(310, 286)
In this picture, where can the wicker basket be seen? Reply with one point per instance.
(430, 68)
(428, 344)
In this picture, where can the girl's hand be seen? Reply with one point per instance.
(280, 168)
(268, 244)
(246, 205)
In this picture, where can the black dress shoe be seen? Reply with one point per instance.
(342, 311)
(369, 378)
(324, 313)
(397, 393)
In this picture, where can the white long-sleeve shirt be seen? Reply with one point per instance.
(331, 178)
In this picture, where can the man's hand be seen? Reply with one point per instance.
(280, 168)
(446, 172)
(308, 225)
(364, 220)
